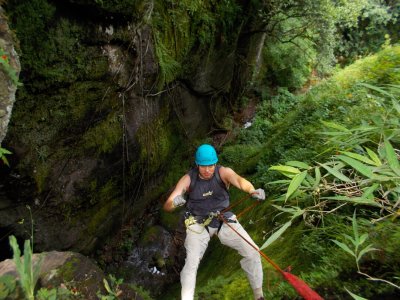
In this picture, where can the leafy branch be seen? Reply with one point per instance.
(356, 240)
(3, 153)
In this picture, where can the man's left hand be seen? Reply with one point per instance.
(258, 194)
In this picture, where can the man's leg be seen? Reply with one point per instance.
(196, 242)
(251, 261)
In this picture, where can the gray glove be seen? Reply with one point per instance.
(179, 201)
(258, 194)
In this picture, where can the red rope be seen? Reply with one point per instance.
(299, 285)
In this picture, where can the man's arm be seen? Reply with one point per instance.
(180, 189)
(231, 177)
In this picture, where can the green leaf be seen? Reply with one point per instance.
(336, 173)
(4, 151)
(355, 296)
(106, 285)
(374, 157)
(344, 247)
(376, 89)
(359, 157)
(317, 177)
(355, 228)
(368, 193)
(358, 166)
(298, 164)
(396, 105)
(279, 181)
(353, 241)
(363, 238)
(335, 126)
(365, 251)
(276, 235)
(285, 169)
(358, 200)
(392, 157)
(295, 183)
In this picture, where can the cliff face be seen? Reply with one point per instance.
(115, 97)
(9, 70)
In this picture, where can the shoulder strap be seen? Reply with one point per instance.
(194, 174)
(218, 176)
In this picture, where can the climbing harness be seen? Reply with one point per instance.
(203, 222)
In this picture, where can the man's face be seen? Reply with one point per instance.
(206, 172)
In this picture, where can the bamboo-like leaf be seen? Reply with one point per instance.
(358, 200)
(310, 180)
(356, 297)
(355, 227)
(335, 133)
(276, 235)
(344, 247)
(335, 126)
(336, 173)
(396, 105)
(294, 210)
(374, 157)
(295, 183)
(368, 193)
(358, 166)
(364, 251)
(353, 241)
(286, 169)
(4, 151)
(298, 164)
(392, 158)
(376, 89)
(106, 285)
(359, 157)
(363, 238)
(279, 181)
(290, 210)
(317, 177)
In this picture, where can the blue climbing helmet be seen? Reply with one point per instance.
(206, 155)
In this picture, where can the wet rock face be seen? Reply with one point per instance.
(9, 70)
(150, 262)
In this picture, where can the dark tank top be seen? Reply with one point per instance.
(208, 196)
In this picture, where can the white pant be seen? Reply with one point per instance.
(196, 242)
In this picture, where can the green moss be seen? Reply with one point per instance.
(185, 26)
(105, 136)
(68, 269)
(100, 215)
(157, 141)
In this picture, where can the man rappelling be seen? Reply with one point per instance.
(207, 213)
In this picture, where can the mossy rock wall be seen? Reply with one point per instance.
(9, 70)
(95, 138)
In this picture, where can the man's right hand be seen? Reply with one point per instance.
(179, 201)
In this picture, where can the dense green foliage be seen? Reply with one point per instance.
(195, 27)
(337, 147)
(378, 21)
